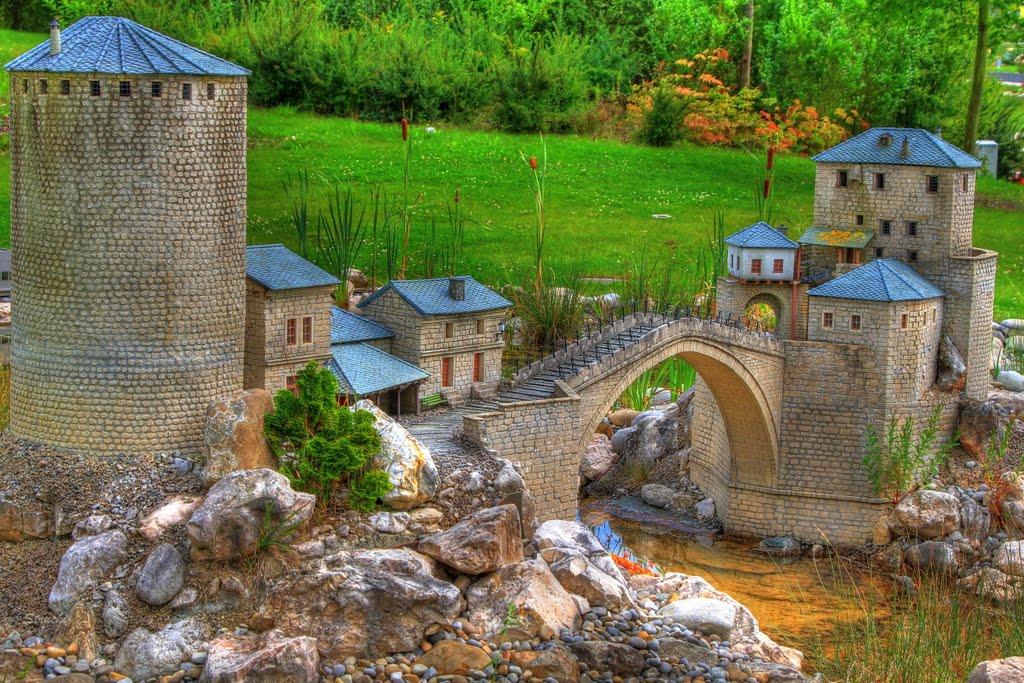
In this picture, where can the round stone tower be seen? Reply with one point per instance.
(128, 191)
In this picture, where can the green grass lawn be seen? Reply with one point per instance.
(602, 193)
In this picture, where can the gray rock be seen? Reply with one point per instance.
(1009, 670)
(162, 576)
(598, 458)
(705, 509)
(780, 546)
(707, 615)
(620, 439)
(268, 658)
(952, 370)
(932, 556)
(975, 521)
(1011, 380)
(480, 543)
(658, 495)
(115, 614)
(410, 467)
(91, 526)
(85, 564)
(928, 514)
(390, 522)
(147, 654)
(1009, 558)
(508, 480)
(618, 658)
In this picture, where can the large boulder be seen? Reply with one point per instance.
(933, 557)
(229, 523)
(981, 424)
(655, 435)
(84, 565)
(147, 654)
(162, 576)
(685, 418)
(552, 664)
(928, 514)
(581, 564)
(598, 458)
(1009, 670)
(234, 435)
(618, 658)
(480, 543)
(1009, 558)
(1012, 505)
(709, 616)
(269, 658)
(173, 512)
(413, 475)
(529, 591)
(452, 658)
(975, 521)
(20, 522)
(363, 604)
(993, 584)
(1011, 380)
(657, 495)
(952, 371)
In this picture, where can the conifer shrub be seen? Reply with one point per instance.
(321, 444)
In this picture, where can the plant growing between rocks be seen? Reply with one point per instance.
(896, 462)
(321, 444)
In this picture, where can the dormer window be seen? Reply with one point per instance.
(879, 181)
(842, 178)
(933, 183)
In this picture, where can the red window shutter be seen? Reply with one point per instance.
(755, 266)
(290, 334)
(778, 265)
(478, 367)
(446, 372)
(291, 383)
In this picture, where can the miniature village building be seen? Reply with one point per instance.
(761, 253)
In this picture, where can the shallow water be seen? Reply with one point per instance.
(795, 601)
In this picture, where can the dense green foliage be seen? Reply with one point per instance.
(568, 64)
(320, 443)
(904, 455)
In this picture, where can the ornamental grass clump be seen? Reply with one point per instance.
(321, 445)
(896, 462)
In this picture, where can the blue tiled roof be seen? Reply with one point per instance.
(430, 297)
(348, 327)
(923, 149)
(363, 370)
(275, 267)
(760, 235)
(881, 280)
(113, 45)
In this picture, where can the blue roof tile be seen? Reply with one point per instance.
(114, 45)
(881, 280)
(277, 268)
(362, 370)
(348, 327)
(923, 149)
(760, 235)
(430, 297)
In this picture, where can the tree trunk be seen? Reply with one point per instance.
(978, 77)
(748, 47)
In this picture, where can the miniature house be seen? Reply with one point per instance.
(449, 327)
(287, 316)
(761, 253)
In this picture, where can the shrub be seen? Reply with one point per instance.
(367, 488)
(894, 466)
(318, 442)
(661, 122)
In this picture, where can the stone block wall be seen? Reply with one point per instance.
(391, 311)
(128, 232)
(734, 297)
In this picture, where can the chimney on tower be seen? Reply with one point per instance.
(457, 288)
(54, 37)
(905, 150)
(938, 132)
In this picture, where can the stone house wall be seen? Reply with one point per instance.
(128, 231)
(734, 297)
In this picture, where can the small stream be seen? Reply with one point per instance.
(794, 600)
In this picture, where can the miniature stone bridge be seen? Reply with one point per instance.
(545, 421)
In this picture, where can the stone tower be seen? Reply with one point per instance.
(128, 191)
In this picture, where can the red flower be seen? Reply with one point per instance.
(405, 129)
(533, 163)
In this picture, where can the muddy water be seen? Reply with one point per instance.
(796, 601)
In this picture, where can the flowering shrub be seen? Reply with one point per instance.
(712, 111)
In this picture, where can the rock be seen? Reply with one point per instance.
(147, 654)
(758, 645)
(773, 672)
(780, 546)
(656, 435)
(1009, 558)
(93, 525)
(162, 576)
(557, 539)
(882, 533)
(85, 564)
(408, 462)
(598, 458)
(952, 371)
(79, 628)
(975, 521)
(981, 424)
(1009, 670)
(228, 525)
(1012, 505)
(685, 418)
(932, 556)
(993, 584)
(363, 604)
(555, 663)
(705, 509)
(661, 397)
(269, 658)
(684, 586)
(620, 440)
(186, 597)
(390, 522)
(1011, 380)
(618, 658)
(115, 614)
(889, 560)
(509, 480)
(623, 418)
(693, 653)
(234, 435)
(710, 617)
(529, 591)
(480, 543)
(1012, 324)
(20, 522)
(578, 575)
(173, 512)
(657, 495)
(426, 516)
(452, 658)
(928, 514)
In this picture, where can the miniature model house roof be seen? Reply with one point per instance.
(114, 45)
(439, 296)
(348, 328)
(899, 146)
(277, 268)
(836, 237)
(881, 280)
(362, 370)
(760, 235)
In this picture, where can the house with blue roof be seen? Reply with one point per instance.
(762, 253)
(451, 328)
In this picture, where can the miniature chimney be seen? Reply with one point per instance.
(782, 229)
(54, 37)
(457, 288)
(938, 132)
(905, 150)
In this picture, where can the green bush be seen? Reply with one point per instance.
(319, 443)
(660, 127)
(904, 458)
(367, 488)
